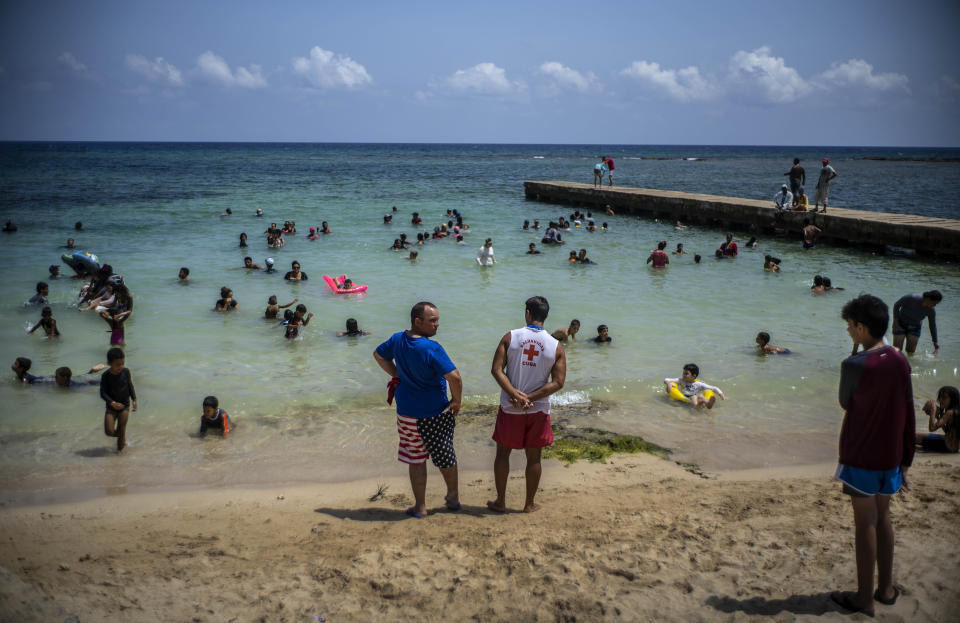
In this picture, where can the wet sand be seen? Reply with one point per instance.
(637, 538)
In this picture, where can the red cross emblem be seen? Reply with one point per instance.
(531, 352)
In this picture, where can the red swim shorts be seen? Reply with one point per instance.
(523, 430)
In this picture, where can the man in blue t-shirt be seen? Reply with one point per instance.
(420, 371)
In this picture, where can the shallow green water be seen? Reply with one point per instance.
(313, 408)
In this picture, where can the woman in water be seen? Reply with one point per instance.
(485, 254)
(295, 274)
(679, 250)
(243, 239)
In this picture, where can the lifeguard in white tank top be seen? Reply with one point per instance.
(530, 358)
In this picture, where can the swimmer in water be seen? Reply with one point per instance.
(413, 256)
(583, 259)
(569, 331)
(603, 335)
(184, 275)
(346, 284)
(248, 264)
(573, 257)
(259, 212)
(766, 348)
(532, 249)
(243, 239)
(273, 309)
(40, 298)
(817, 287)
(679, 250)
(658, 256)
(689, 386)
(268, 268)
(313, 234)
(353, 329)
(47, 322)
(325, 229)
(300, 319)
(69, 244)
(227, 212)
(226, 303)
(295, 274)
(54, 271)
(771, 263)
(214, 417)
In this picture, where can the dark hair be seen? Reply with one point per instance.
(806, 221)
(46, 311)
(827, 283)
(933, 295)
(248, 258)
(679, 246)
(23, 363)
(115, 353)
(752, 240)
(63, 371)
(954, 395)
(718, 253)
(288, 314)
(211, 401)
(78, 225)
(602, 327)
(272, 300)
(870, 311)
(352, 324)
(185, 270)
(417, 310)
(575, 322)
(692, 368)
(41, 285)
(661, 245)
(302, 308)
(294, 262)
(696, 258)
(224, 290)
(538, 307)
(53, 268)
(763, 335)
(817, 280)
(796, 161)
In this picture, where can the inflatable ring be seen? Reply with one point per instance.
(676, 394)
(82, 262)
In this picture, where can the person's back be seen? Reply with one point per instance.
(421, 366)
(530, 358)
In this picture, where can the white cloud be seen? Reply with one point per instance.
(484, 78)
(158, 70)
(681, 84)
(71, 61)
(326, 70)
(566, 77)
(778, 82)
(214, 68)
(859, 73)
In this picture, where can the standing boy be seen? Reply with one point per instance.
(876, 447)
(420, 370)
(116, 389)
(529, 365)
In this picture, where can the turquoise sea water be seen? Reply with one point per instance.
(313, 408)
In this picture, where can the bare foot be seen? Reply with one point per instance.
(497, 508)
(698, 406)
(531, 508)
(711, 402)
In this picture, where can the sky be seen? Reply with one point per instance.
(859, 73)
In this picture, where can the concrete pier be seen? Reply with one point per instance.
(927, 236)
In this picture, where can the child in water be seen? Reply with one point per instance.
(353, 329)
(47, 322)
(40, 298)
(300, 319)
(943, 413)
(116, 389)
(273, 310)
(763, 343)
(570, 331)
(689, 386)
(771, 263)
(214, 417)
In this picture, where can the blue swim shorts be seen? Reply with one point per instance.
(909, 329)
(863, 483)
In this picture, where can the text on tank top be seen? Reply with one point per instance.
(530, 358)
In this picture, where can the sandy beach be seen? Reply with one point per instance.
(637, 538)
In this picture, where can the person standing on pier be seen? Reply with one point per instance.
(420, 371)
(827, 173)
(529, 365)
(798, 176)
(608, 163)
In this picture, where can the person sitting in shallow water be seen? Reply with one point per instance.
(763, 343)
(353, 329)
(273, 309)
(295, 274)
(943, 413)
(532, 249)
(226, 302)
(603, 335)
(680, 250)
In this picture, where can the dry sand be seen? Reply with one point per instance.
(636, 539)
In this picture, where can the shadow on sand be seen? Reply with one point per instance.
(815, 603)
(93, 453)
(389, 514)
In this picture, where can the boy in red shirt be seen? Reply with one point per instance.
(876, 446)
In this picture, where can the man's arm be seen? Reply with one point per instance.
(517, 398)
(932, 322)
(558, 375)
(456, 390)
(386, 365)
